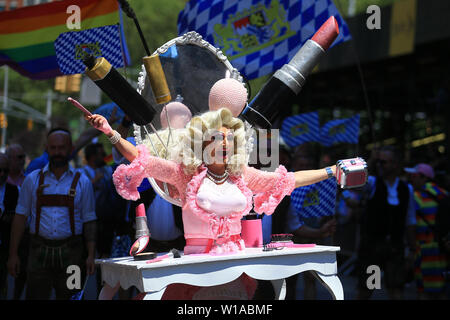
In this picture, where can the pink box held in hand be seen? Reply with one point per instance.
(351, 173)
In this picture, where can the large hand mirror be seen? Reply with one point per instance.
(191, 66)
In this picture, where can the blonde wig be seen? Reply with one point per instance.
(186, 145)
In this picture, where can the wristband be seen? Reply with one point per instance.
(329, 172)
(115, 137)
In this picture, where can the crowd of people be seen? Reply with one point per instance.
(402, 216)
(57, 215)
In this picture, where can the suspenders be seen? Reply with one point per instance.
(56, 200)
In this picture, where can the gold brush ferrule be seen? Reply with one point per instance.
(100, 70)
(157, 78)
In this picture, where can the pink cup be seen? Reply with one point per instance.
(251, 233)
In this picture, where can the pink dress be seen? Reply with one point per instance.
(211, 223)
(262, 190)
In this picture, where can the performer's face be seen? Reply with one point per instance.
(218, 146)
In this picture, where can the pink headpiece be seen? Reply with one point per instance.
(228, 93)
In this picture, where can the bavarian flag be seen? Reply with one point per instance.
(315, 200)
(301, 128)
(340, 130)
(259, 36)
(27, 35)
(103, 41)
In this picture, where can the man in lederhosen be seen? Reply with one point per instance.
(60, 202)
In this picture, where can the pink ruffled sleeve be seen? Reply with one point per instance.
(269, 187)
(127, 178)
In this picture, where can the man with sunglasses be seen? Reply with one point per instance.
(388, 220)
(8, 201)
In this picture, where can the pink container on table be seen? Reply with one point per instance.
(251, 233)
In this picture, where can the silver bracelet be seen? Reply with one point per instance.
(115, 137)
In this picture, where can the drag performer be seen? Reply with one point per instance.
(207, 168)
(211, 224)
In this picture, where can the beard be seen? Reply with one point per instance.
(58, 161)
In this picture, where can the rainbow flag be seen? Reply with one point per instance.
(109, 160)
(27, 34)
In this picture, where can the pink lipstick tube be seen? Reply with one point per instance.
(288, 81)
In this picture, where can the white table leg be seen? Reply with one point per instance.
(279, 286)
(332, 283)
(108, 292)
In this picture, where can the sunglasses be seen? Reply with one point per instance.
(20, 156)
(4, 170)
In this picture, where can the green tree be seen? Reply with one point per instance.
(158, 21)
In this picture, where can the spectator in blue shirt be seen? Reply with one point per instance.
(60, 203)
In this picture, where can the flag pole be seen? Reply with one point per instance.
(130, 13)
(49, 109)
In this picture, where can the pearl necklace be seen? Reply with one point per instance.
(218, 179)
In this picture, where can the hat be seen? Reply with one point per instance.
(422, 168)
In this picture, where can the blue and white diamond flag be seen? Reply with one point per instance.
(100, 42)
(259, 36)
(301, 128)
(340, 130)
(315, 200)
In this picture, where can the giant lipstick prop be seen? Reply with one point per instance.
(287, 82)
